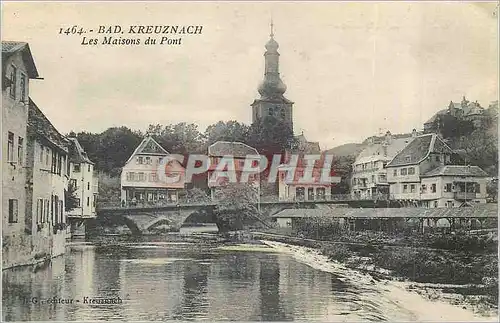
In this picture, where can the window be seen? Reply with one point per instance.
(449, 203)
(13, 82)
(46, 212)
(424, 188)
(412, 188)
(447, 187)
(408, 159)
(148, 160)
(271, 111)
(433, 188)
(477, 188)
(88, 200)
(139, 160)
(47, 156)
(39, 211)
(435, 203)
(10, 147)
(373, 178)
(405, 188)
(94, 200)
(395, 173)
(141, 177)
(41, 154)
(61, 214)
(88, 186)
(437, 158)
(13, 211)
(22, 86)
(404, 171)
(153, 177)
(76, 168)
(78, 202)
(411, 171)
(88, 168)
(72, 182)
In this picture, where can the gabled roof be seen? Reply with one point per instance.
(396, 145)
(77, 154)
(418, 149)
(39, 125)
(231, 148)
(149, 146)
(456, 170)
(11, 47)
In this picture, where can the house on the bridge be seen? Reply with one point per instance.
(151, 176)
(369, 175)
(18, 69)
(82, 178)
(293, 187)
(46, 160)
(423, 174)
(223, 155)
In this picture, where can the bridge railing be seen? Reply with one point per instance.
(263, 199)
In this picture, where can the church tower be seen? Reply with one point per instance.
(271, 101)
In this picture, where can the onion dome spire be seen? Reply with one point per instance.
(272, 86)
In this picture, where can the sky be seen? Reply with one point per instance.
(353, 69)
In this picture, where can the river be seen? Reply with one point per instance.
(189, 281)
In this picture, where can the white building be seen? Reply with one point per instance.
(83, 178)
(151, 175)
(369, 175)
(47, 157)
(18, 68)
(422, 174)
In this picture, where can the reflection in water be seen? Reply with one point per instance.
(161, 281)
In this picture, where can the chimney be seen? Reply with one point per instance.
(414, 133)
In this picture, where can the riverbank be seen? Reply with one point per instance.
(408, 298)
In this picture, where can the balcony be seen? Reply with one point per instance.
(462, 196)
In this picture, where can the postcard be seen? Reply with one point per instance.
(250, 161)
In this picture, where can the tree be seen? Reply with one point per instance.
(481, 150)
(114, 147)
(270, 136)
(226, 131)
(71, 201)
(197, 195)
(342, 166)
(181, 138)
(236, 205)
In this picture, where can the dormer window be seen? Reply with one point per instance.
(408, 159)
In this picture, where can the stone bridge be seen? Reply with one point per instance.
(141, 219)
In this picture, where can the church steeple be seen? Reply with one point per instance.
(272, 102)
(272, 86)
